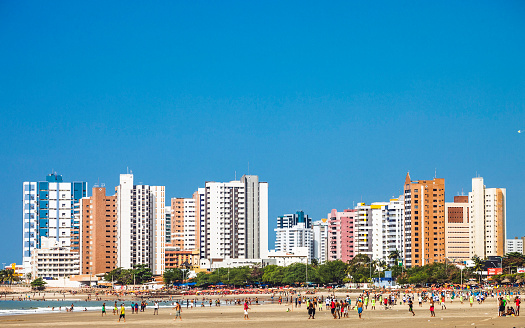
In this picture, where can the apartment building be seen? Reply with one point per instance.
(342, 235)
(515, 245)
(185, 223)
(49, 211)
(234, 219)
(424, 221)
(54, 261)
(320, 240)
(98, 232)
(140, 225)
(294, 230)
(457, 230)
(487, 220)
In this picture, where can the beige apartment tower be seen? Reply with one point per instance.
(457, 226)
(487, 220)
(98, 232)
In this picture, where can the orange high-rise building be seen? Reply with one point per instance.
(98, 232)
(424, 221)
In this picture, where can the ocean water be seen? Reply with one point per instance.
(9, 307)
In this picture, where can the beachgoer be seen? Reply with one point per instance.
(177, 311)
(246, 308)
(122, 313)
(103, 309)
(156, 308)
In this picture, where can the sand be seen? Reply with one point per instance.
(274, 315)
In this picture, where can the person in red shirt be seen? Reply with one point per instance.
(518, 302)
(246, 308)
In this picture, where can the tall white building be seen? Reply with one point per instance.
(140, 225)
(49, 211)
(379, 229)
(320, 240)
(298, 235)
(234, 219)
(487, 220)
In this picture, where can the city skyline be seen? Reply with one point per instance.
(331, 104)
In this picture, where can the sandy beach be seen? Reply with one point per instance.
(274, 315)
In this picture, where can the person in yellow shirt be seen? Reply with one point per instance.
(122, 313)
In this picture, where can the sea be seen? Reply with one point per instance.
(14, 307)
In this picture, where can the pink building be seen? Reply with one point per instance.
(341, 235)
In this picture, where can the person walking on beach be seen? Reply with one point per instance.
(432, 313)
(122, 313)
(177, 309)
(156, 308)
(360, 307)
(311, 310)
(115, 309)
(471, 299)
(411, 306)
(246, 308)
(103, 309)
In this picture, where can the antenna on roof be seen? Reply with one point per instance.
(435, 173)
(248, 167)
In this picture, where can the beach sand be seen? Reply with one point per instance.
(274, 316)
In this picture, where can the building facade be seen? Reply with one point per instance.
(98, 232)
(234, 219)
(49, 211)
(424, 221)
(320, 240)
(140, 225)
(341, 235)
(487, 220)
(515, 245)
(185, 223)
(457, 230)
(54, 261)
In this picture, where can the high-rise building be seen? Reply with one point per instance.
(233, 219)
(294, 230)
(200, 220)
(185, 223)
(378, 229)
(487, 220)
(424, 221)
(320, 240)
(290, 220)
(457, 227)
(341, 235)
(140, 225)
(98, 232)
(49, 211)
(167, 210)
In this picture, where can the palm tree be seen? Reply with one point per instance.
(478, 265)
(394, 255)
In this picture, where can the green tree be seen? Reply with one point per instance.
(38, 284)
(333, 272)
(142, 273)
(172, 275)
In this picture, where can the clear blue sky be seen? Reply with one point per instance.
(331, 103)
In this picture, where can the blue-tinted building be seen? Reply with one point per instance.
(49, 211)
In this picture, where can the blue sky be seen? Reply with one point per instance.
(331, 103)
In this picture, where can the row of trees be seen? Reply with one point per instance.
(140, 274)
